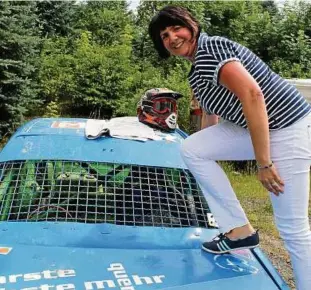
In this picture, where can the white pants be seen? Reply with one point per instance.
(291, 153)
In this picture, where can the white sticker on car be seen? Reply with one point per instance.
(68, 125)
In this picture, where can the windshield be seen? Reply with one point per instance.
(91, 192)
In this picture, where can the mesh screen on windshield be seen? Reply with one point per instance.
(100, 193)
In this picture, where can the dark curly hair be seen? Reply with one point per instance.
(171, 16)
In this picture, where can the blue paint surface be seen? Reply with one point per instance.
(174, 268)
(44, 252)
(82, 235)
(38, 140)
(61, 256)
(47, 249)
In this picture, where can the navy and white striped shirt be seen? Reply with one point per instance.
(285, 105)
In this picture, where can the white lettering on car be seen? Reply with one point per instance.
(121, 280)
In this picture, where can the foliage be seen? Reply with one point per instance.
(55, 17)
(96, 58)
(19, 45)
(105, 20)
(87, 79)
(51, 110)
(291, 48)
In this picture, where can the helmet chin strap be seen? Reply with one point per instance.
(171, 121)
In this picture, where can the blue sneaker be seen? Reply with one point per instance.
(222, 244)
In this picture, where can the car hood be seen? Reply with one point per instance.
(82, 256)
(35, 267)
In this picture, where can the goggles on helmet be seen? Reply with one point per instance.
(164, 105)
(158, 108)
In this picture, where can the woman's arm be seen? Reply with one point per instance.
(237, 79)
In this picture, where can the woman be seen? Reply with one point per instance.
(266, 119)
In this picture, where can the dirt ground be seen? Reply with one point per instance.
(274, 249)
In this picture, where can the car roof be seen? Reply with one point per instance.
(64, 139)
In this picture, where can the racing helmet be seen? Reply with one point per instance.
(158, 109)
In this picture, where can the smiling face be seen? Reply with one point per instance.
(179, 41)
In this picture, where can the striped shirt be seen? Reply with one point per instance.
(285, 105)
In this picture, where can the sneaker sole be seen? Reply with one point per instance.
(228, 251)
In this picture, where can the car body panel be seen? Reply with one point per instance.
(89, 253)
(165, 268)
(71, 255)
(42, 139)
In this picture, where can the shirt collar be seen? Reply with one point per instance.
(201, 38)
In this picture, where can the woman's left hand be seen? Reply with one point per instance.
(271, 180)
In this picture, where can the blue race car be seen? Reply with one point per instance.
(110, 213)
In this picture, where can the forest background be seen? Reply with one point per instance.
(95, 59)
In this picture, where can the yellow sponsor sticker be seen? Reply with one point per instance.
(5, 250)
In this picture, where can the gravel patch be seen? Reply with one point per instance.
(274, 249)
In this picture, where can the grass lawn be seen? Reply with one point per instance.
(256, 203)
(254, 199)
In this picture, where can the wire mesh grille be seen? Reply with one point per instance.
(100, 193)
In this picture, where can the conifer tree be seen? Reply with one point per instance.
(19, 43)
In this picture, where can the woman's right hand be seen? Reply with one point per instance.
(271, 180)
